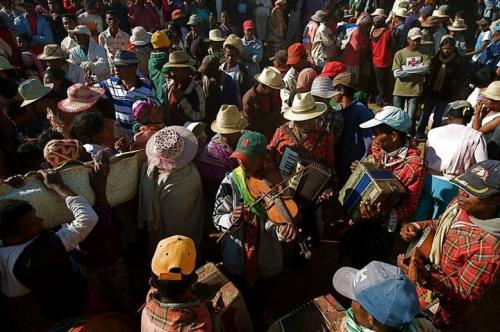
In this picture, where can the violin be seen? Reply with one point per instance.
(280, 207)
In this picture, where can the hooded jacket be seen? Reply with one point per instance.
(155, 65)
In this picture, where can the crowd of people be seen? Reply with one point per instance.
(219, 94)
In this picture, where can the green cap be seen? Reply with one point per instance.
(250, 145)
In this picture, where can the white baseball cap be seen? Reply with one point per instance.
(415, 33)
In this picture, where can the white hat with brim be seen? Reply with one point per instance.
(228, 121)
(31, 90)
(215, 35)
(379, 12)
(401, 12)
(304, 108)
(52, 52)
(458, 25)
(440, 13)
(140, 36)
(179, 59)
(5, 64)
(492, 91)
(271, 77)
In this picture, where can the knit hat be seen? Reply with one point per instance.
(322, 87)
(59, 151)
(160, 39)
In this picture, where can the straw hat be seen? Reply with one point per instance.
(401, 12)
(5, 64)
(431, 21)
(140, 36)
(379, 12)
(319, 16)
(52, 52)
(440, 13)
(492, 91)
(304, 108)
(234, 41)
(171, 148)
(215, 35)
(482, 21)
(458, 25)
(322, 87)
(271, 77)
(228, 120)
(80, 98)
(179, 59)
(31, 90)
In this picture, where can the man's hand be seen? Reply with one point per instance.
(98, 178)
(354, 164)
(121, 145)
(240, 213)
(287, 232)
(369, 211)
(403, 263)
(326, 195)
(409, 232)
(53, 181)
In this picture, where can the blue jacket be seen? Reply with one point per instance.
(44, 32)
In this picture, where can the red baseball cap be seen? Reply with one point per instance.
(176, 14)
(295, 52)
(248, 24)
(332, 69)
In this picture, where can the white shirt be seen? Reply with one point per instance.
(68, 43)
(96, 59)
(443, 143)
(484, 36)
(70, 234)
(113, 44)
(289, 89)
(91, 21)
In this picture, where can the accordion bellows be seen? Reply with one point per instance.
(371, 184)
(122, 184)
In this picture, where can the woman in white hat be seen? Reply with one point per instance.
(487, 110)
(215, 159)
(170, 192)
(301, 131)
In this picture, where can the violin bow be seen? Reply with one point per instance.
(235, 226)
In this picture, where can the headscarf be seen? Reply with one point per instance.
(305, 80)
(146, 112)
(59, 151)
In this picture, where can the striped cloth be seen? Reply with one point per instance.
(123, 100)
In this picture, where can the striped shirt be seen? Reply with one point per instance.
(123, 99)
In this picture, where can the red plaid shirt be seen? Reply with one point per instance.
(171, 317)
(408, 167)
(469, 264)
(319, 145)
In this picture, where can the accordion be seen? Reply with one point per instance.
(369, 183)
(311, 179)
(231, 313)
(320, 314)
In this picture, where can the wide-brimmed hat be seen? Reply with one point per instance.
(234, 41)
(322, 87)
(80, 98)
(430, 22)
(215, 35)
(140, 36)
(228, 120)
(280, 55)
(345, 79)
(171, 148)
(319, 16)
(194, 20)
(482, 21)
(271, 77)
(52, 52)
(32, 89)
(125, 58)
(179, 59)
(379, 12)
(5, 64)
(304, 108)
(492, 91)
(440, 13)
(81, 30)
(401, 12)
(458, 25)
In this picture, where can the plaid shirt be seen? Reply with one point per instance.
(170, 317)
(318, 144)
(407, 165)
(469, 265)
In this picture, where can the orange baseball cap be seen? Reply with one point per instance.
(295, 52)
(176, 14)
(174, 258)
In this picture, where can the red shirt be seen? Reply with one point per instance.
(381, 50)
(358, 44)
(32, 22)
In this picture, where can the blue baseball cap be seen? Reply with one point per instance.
(392, 116)
(382, 290)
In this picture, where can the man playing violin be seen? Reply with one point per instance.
(465, 252)
(251, 249)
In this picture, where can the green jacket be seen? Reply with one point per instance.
(155, 65)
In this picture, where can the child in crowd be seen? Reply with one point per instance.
(149, 118)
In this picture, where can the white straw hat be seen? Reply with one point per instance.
(31, 90)
(379, 12)
(492, 91)
(458, 25)
(402, 12)
(271, 77)
(304, 108)
(228, 120)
